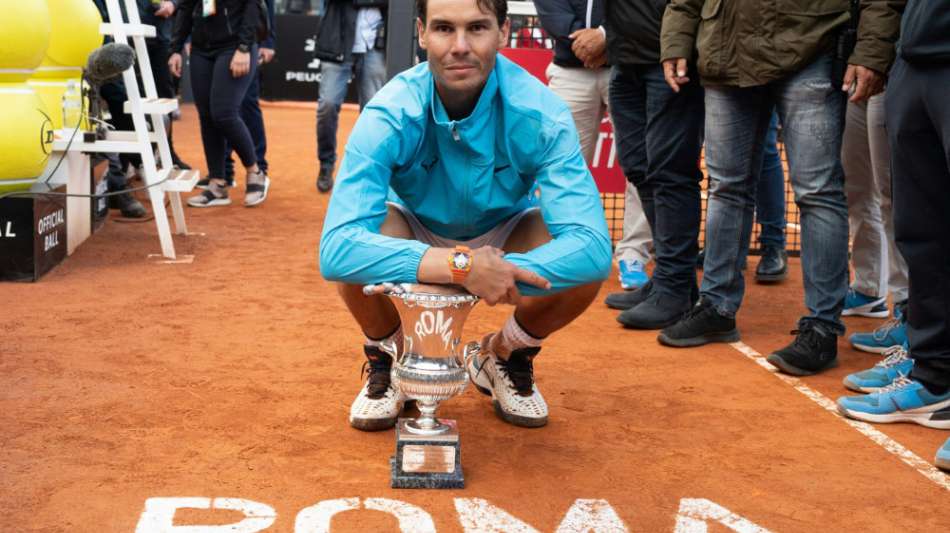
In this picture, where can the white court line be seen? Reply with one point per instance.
(924, 467)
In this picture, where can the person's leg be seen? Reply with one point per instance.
(254, 119)
(577, 87)
(333, 80)
(627, 95)
(868, 293)
(770, 192)
(226, 97)
(504, 368)
(202, 73)
(371, 75)
(881, 165)
(918, 127)
(812, 110)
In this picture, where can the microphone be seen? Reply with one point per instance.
(108, 62)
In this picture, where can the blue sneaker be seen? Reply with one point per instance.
(633, 274)
(860, 304)
(943, 456)
(882, 374)
(891, 333)
(904, 400)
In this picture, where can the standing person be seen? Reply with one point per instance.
(351, 39)
(770, 211)
(918, 129)
(460, 143)
(161, 14)
(223, 41)
(785, 62)
(580, 76)
(659, 136)
(251, 109)
(878, 266)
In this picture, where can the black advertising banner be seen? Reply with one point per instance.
(294, 74)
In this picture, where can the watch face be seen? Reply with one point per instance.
(460, 261)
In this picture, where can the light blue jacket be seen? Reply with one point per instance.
(463, 177)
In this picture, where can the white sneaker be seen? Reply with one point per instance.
(378, 404)
(510, 383)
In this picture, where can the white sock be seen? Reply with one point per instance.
(512, 337)
(394, 339)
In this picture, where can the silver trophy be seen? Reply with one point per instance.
(430, 370)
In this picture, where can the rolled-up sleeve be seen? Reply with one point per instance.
(579, 252)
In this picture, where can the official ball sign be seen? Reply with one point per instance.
(32, 235)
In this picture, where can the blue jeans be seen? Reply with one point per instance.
(811, 110)
(770, 192)
(659, 137)
(370, 75)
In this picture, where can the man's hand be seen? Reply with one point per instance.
(674, 70)
(588, 44)
(165, 9)
(174, 65)
(493, 279)
(266, 55)
(596, 62)
(862, 83)
(240, 63)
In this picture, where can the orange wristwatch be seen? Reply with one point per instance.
(460, 262)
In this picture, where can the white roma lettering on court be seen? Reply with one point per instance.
(316, 518)
(694, 513)
(584, 516)
(159, 515)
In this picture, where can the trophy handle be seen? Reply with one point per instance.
(470, 350)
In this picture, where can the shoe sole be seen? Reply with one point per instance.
(217, 202)
(623, 307)
(771, 278)
(872, 349)
(922, 419)
(727, 337)
(648, 327)
(869, 314)
(263, 196)
(515, 420)
(780, 363)
(373, 424)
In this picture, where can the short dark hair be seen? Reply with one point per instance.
(498, 7)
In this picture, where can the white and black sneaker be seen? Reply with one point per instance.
(255, 192)
(510, 383)
(378, 404)
(215, 195)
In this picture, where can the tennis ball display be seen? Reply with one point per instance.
(75, 33)
(24, 38)
(25, 139)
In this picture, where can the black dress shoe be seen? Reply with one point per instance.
(773, 266)
(325, 179)
(127, 205)
(656, 312)
(627, 299)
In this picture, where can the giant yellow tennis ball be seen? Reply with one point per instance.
(25, 138)
(75, 33)
(24, 37)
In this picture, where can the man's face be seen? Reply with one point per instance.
(461, 41)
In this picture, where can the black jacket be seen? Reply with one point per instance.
(560, 18)
(925, 32)
(337, 29)
(234, 23)
(633, 31)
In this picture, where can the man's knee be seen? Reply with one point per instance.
(530, 233)
(396, 224)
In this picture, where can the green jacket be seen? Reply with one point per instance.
(752, 42)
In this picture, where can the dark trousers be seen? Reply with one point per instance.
(659, 135)
(218, 96)
(918, 130)
(254, 120)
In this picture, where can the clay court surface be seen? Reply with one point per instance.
(123, 380)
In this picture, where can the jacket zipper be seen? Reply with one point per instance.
(227, 20)
(455, 132)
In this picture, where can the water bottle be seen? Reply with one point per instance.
(72, 106)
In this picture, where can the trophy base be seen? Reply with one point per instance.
(427, 461)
